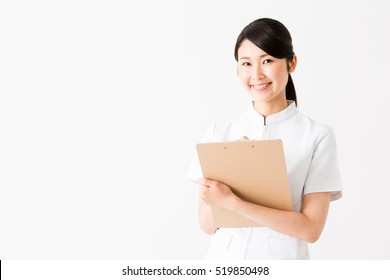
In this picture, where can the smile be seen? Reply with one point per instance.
(261, 86)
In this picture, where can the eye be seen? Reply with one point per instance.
(266, 61)
(245, 64)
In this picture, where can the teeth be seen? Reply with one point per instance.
(261, 87)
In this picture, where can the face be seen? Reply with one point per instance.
(262, 75)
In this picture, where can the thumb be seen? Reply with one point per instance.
(243, 138)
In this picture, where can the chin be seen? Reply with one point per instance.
(261, 97)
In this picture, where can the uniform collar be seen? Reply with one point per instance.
(290, 111)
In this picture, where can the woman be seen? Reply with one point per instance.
(265, 61)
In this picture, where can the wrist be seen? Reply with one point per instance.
(235, 204)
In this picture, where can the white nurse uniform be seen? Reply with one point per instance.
(312, 166)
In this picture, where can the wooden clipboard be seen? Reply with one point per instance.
(255, 170)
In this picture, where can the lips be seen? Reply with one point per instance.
(262, 86)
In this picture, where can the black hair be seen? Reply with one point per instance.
(272, 37)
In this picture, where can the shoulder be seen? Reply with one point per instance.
(225, 130)
(316, 128)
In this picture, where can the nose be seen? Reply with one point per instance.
(258, 73)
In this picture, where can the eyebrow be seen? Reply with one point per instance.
(247, 57)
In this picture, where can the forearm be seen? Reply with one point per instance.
(205, 217)
(299, 225)
(306, 225)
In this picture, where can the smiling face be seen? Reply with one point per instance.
(262, 75)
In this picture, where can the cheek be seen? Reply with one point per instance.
(244, 77)
(279, 75)
(245, 82)
(284, 77)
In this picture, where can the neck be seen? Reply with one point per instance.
(269, 108)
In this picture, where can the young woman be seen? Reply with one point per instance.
(265, 61)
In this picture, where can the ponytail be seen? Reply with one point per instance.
(290, 90)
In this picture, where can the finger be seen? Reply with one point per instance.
(244, 138)
(203, 190)
(205, 183)
(209, 183)
(202, 182)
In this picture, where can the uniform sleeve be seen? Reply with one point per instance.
(194, 171)
(323, 174)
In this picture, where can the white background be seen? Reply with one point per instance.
(102, 103)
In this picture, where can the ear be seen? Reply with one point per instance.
(292, 64)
